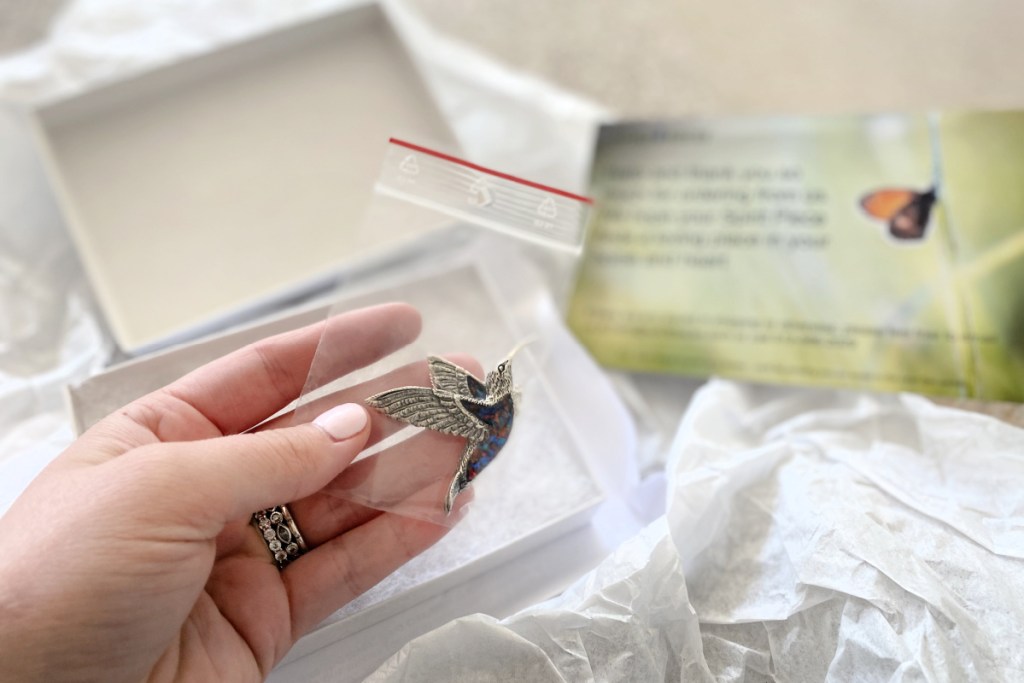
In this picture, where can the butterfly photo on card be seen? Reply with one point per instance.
(906, 212)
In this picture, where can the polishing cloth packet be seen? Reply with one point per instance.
(422, 190)
(469, 393)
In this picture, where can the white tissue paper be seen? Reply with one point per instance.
(49, 332)
(810, 535)
(628, 620)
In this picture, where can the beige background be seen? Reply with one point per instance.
(659, 57)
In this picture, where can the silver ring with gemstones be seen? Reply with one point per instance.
(278, 530)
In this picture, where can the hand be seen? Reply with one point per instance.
(131, 557)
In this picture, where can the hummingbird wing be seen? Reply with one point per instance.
(424, 407)
(448, 377)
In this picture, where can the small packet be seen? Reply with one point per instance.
(447, 235)
(429, 190)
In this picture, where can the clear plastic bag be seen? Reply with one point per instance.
(448, 190)
(478, 295)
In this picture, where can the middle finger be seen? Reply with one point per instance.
(399, 473)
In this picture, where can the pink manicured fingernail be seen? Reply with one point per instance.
(343, 422)
(462, 506)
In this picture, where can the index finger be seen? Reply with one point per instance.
(245, 387)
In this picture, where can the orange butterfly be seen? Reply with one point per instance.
(907, 211)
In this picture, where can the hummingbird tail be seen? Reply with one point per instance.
(459, 482)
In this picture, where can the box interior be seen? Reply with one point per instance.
(214, 185)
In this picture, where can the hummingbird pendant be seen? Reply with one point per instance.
(460, 404)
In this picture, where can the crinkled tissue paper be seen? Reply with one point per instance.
(810, 535)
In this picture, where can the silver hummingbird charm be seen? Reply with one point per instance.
(460, 404)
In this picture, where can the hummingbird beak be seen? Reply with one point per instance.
(519, 347)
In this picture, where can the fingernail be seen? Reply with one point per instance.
(462, 506)
(458, 514)
(343, 422)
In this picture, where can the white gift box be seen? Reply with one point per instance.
(528, 535)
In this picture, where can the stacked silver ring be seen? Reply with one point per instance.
(279, 532)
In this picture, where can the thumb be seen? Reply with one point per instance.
(231, 477)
